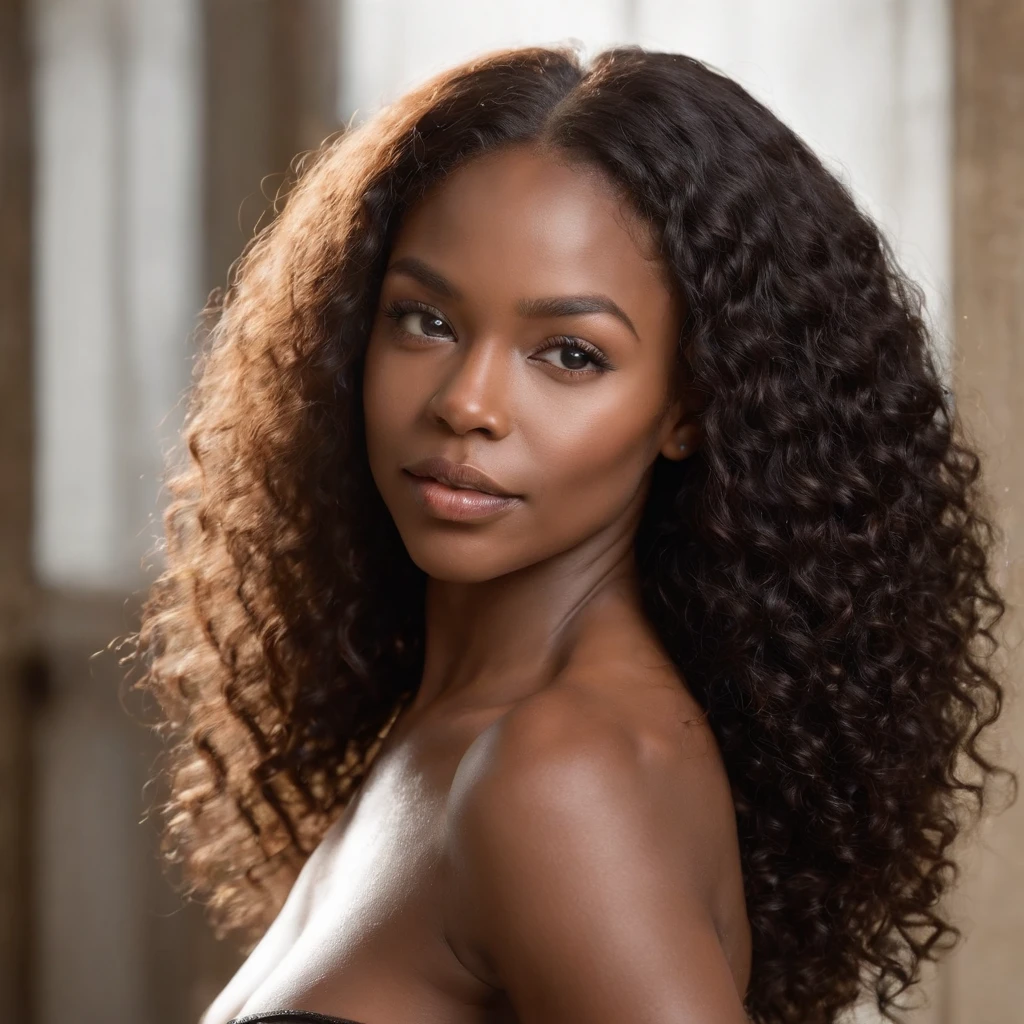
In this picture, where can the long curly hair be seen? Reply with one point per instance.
(819, 570)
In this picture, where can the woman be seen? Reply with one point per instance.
(576, 575)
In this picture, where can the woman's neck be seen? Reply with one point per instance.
(499, 640)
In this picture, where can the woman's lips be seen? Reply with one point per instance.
(456, 504)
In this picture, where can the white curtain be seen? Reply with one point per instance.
(116, 259)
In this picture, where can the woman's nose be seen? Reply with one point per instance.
(475, 392)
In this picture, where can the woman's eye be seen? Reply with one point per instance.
(571, 357)
(408, 318)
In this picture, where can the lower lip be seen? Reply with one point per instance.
(457, 504)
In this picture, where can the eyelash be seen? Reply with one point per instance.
(396, 310)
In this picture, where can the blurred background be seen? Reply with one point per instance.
(141, 144)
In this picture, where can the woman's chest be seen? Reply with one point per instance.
(363, 927)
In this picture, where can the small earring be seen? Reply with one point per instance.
(682, 446)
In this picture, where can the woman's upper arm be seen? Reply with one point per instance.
(583, 879)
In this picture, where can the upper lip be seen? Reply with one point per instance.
(457, 474)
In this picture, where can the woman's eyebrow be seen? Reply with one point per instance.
(557, 305)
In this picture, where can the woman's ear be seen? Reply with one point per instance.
(684, 440)
(683, 434)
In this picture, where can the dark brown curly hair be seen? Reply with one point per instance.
(819, 570)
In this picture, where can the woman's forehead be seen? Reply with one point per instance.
(534, 223)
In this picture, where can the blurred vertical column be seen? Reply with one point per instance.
(16, 445)
(271, 69)
(983, 981)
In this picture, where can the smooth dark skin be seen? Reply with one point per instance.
(547, 833)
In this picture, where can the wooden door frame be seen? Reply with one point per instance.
(18, 660)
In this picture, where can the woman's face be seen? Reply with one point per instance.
(564, 405)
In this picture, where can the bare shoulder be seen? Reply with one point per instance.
(586, 841)
(555, 750)
(573, 748)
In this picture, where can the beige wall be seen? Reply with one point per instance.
(983, 982)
